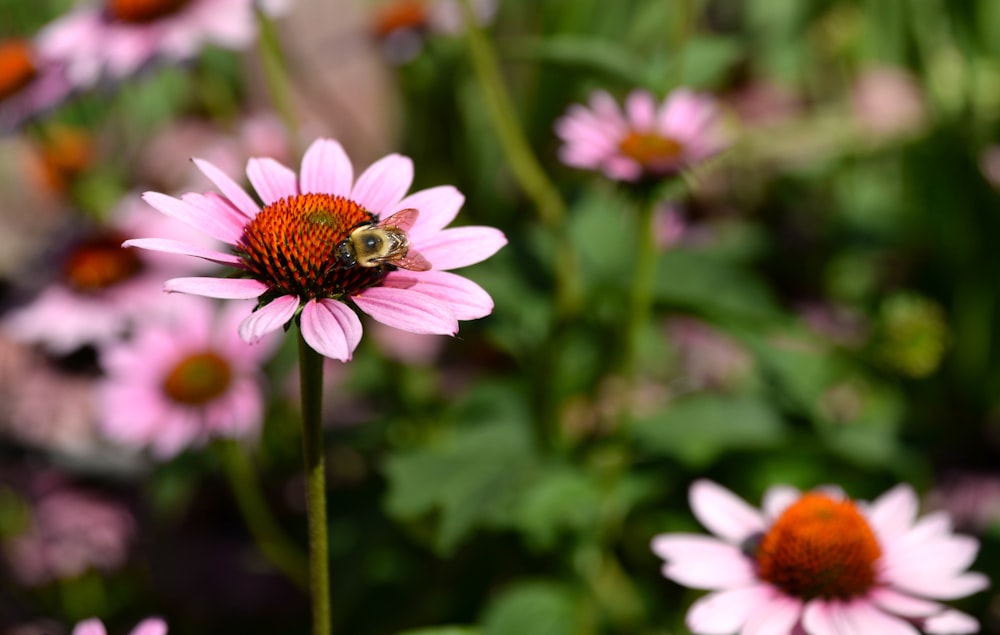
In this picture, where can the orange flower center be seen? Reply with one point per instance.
(819, 548)
(291, 246)
(65, 153)
(653, 152)
(100, 262)
(400, 14)
(143, 11)
(17, 68)
(198, 379)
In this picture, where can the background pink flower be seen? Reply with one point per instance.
(29, 82)
(149, 626)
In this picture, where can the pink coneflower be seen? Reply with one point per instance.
(648, 140)
(290, 252)
(118, 37)
(821, 564)
(29, 82)
(401, 25)
(149, 626)
(99, 287)
(182, 381)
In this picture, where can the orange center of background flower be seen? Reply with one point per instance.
(143, 11)
(819, 548)
(399, 14)
(291, 246)
(17, 68)
(651, 151)
(198, 379)
(64, 154)
(100, 262)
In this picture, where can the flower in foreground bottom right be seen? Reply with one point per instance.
(818, 563)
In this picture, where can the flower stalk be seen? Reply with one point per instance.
(641, 297)
(311, 378)
(276, 77)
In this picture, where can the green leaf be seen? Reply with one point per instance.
(588, 53)
(705, 60)
(444, 630)
(698, 429)
(532, 608)
(559, 499)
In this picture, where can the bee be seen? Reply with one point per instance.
(374, 244)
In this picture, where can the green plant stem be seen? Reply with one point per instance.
(271, 539)
(276, 77)
(641, 298)
(524, 164)
(311, 379)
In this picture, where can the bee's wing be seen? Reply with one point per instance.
(402, 220)
(413, 260)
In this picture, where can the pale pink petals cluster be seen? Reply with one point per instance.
(592, 136)
(137, 412)
(92, 44)
(428, 302)
(922, 561)
(149, 626)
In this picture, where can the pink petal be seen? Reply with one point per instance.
(893, 513)
(934, 586)
(865, 618)
(383, 184)
(216, 226)
(951, 622)
(777, 499)
(229, 188)
(272, 180)
(466, 299)
(268, 318)
(641, 108)
(407, 310)
(438, 206)
(774, 615)
(92, 626)
(460, 246)
(725, 612)
(326, 169)
(902, 604)
(703, 562)
(169, 246)
(331, 328)
(723, 513)
(150, 626)
(224, 288)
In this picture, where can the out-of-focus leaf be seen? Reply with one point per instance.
(602, 227)
(698, 429)
(560, 499)
(589, 53)
(704, 61)
(717, 289)
(444, 630)
(801, 373)
(860, 421)
(533, 608)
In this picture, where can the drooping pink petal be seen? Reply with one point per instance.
(703, 562)
(775, 614)
(467, 300)
(951, 622)
(933, 558)
(865, 618)
(150, 626)
(383, 184)
(892, 513)
(723, 513)
(331, 328)
(933, 586)
(438, 207)
(268, 318)
(407, 310)
(902, 604)
(222, 288)
(169, 246)
(272, 180)
(229, 188)
(725, 612)
(218, 227)
(460, 246)
(92, 626)
(326, 169)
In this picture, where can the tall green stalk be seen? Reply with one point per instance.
(311, 379)
(641, 297)
(276, 77)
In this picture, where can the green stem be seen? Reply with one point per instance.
(641, 299)
(311, 379)
(276, 77)
(267, 533)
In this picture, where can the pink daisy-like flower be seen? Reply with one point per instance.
(101, 288)
(290, 252)
(29, 82)
(647, 140)
(149, 626)
(181, 381)
(120, 36)
(821, 564)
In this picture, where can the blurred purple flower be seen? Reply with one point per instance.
(72, 530)
(709, 357)
(647, 140)
(888, 101)
(821, 564)
(183, 380)
(149, 626)
(971, 499)
(30, 82)
(117, 37)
